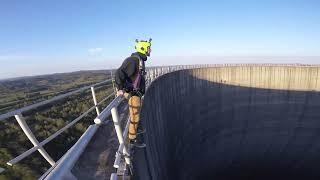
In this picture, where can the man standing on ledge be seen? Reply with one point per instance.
(130, 82)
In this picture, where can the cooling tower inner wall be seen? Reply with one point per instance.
(232, 123)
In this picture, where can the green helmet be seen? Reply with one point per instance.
(143, 47)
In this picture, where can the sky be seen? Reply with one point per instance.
(43, 37)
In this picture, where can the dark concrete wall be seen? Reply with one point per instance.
(202, 125)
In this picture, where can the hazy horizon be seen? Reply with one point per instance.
(171, 61)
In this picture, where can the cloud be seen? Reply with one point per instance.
(94, 51)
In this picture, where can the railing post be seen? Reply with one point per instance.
(116, 163)
(151, 75)
(32, 138)
(115, 118)
(147, 78)
(95, 100)
(114, 88)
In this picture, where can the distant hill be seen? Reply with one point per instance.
(18, 92)
(56, 74)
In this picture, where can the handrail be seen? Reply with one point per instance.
(44, 142)
(107, 111)
(31, 150)
(39, 146)
(56, 98)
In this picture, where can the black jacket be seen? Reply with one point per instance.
(126, 73)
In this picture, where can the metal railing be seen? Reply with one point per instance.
(62, 168)
(38, 146)
(49, 101)
(64, 165)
